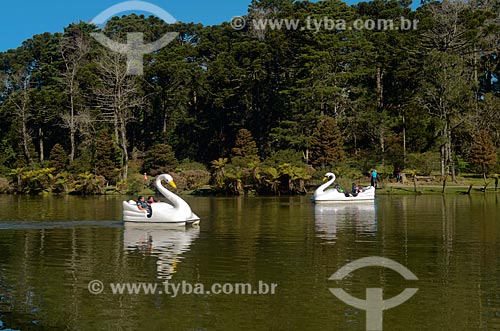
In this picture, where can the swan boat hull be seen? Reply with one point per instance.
(332, 195)
(132, 215)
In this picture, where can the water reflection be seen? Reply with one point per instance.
(330, 218)
(451, 242)
(167, 244)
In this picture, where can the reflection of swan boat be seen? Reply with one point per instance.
(329, 218)
(178, 212)
(165, 243)
(322, 195)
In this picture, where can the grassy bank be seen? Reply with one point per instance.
(434, 188)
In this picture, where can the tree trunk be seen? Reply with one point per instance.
(116, 125)
(25, 137)
(453, 173)
(450, 156)
(382, 145)
(442, 157)
(40, 144)
(305, 155)
(123, 131)
(72, 129)
(404, 142)
(447, 164)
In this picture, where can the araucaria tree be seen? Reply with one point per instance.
(327, 143)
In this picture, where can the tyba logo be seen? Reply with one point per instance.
(135, 47)
(374, 304)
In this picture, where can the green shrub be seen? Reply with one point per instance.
(187, 164)
(63, 182)
(136, 183)
(88, 183)
(195, 178)
(33, 181)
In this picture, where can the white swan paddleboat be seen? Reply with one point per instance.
(324, 195)
(177, 213)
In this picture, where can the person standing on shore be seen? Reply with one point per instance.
(373, 178)
(397, 174)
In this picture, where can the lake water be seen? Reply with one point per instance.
(51, 248)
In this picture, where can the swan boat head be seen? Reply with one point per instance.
(320, 191)
(329, 176)
(169, 179)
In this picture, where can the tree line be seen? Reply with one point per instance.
(255, 109)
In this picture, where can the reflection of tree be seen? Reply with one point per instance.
(166, 244)
(330, 218)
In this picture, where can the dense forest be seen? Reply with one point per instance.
(260, 109)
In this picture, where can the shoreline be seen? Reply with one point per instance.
(382, 189)
(409, 189)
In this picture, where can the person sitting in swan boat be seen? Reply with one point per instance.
(355, 190)
(151, 200)
(143, 205)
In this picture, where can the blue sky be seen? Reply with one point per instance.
(22, 19)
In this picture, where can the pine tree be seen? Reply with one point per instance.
(483, 155)
(106, 155)
(58, 158)
(326, 143)
(160, 159)
(245, 145)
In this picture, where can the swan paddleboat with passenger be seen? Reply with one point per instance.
(324, 194)
(176, 213)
